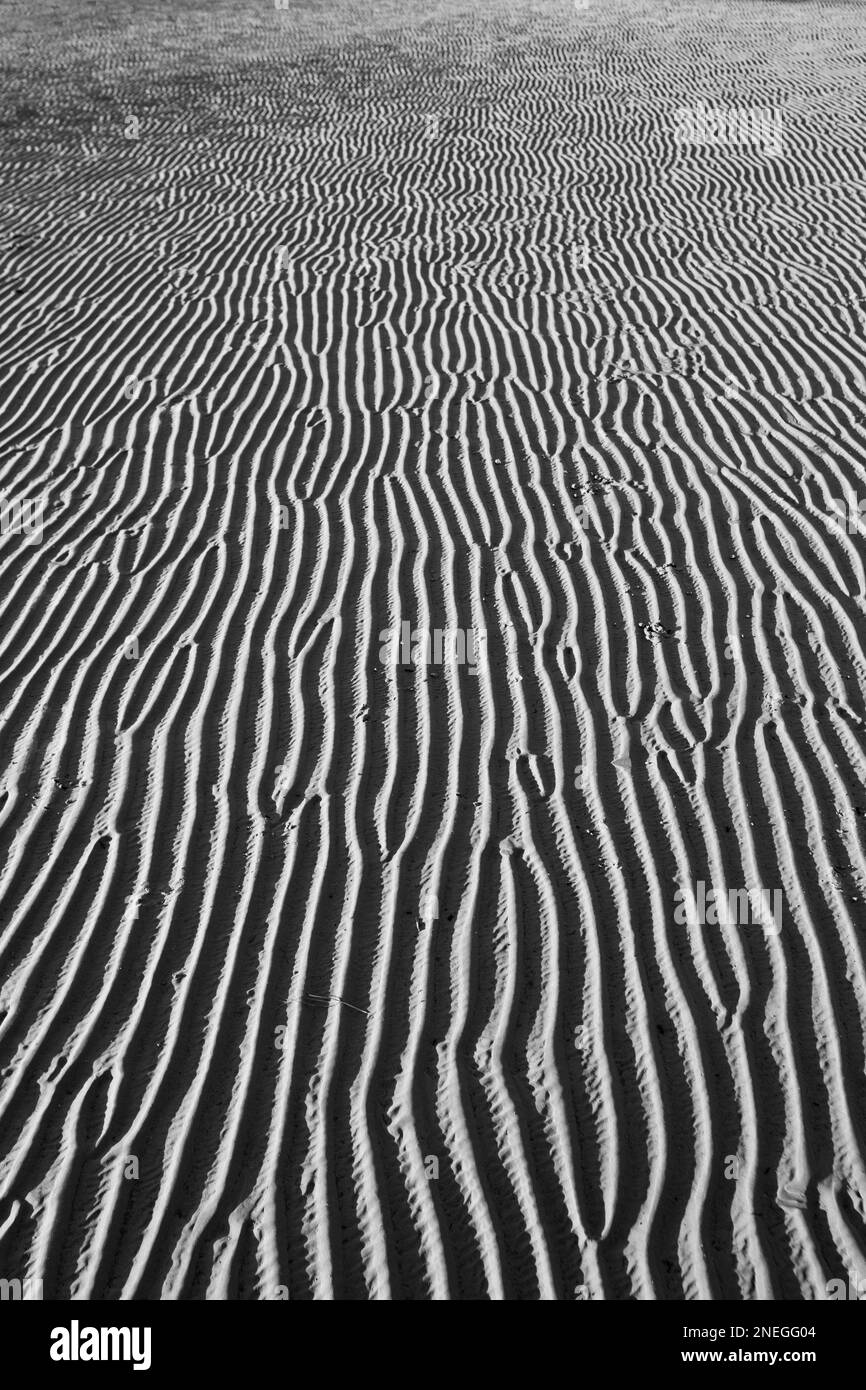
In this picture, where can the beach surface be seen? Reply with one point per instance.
(432, 669)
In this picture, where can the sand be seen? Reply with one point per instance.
(443, 573)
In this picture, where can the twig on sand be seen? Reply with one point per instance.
(335, 999)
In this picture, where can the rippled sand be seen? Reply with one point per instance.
(333, 973)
